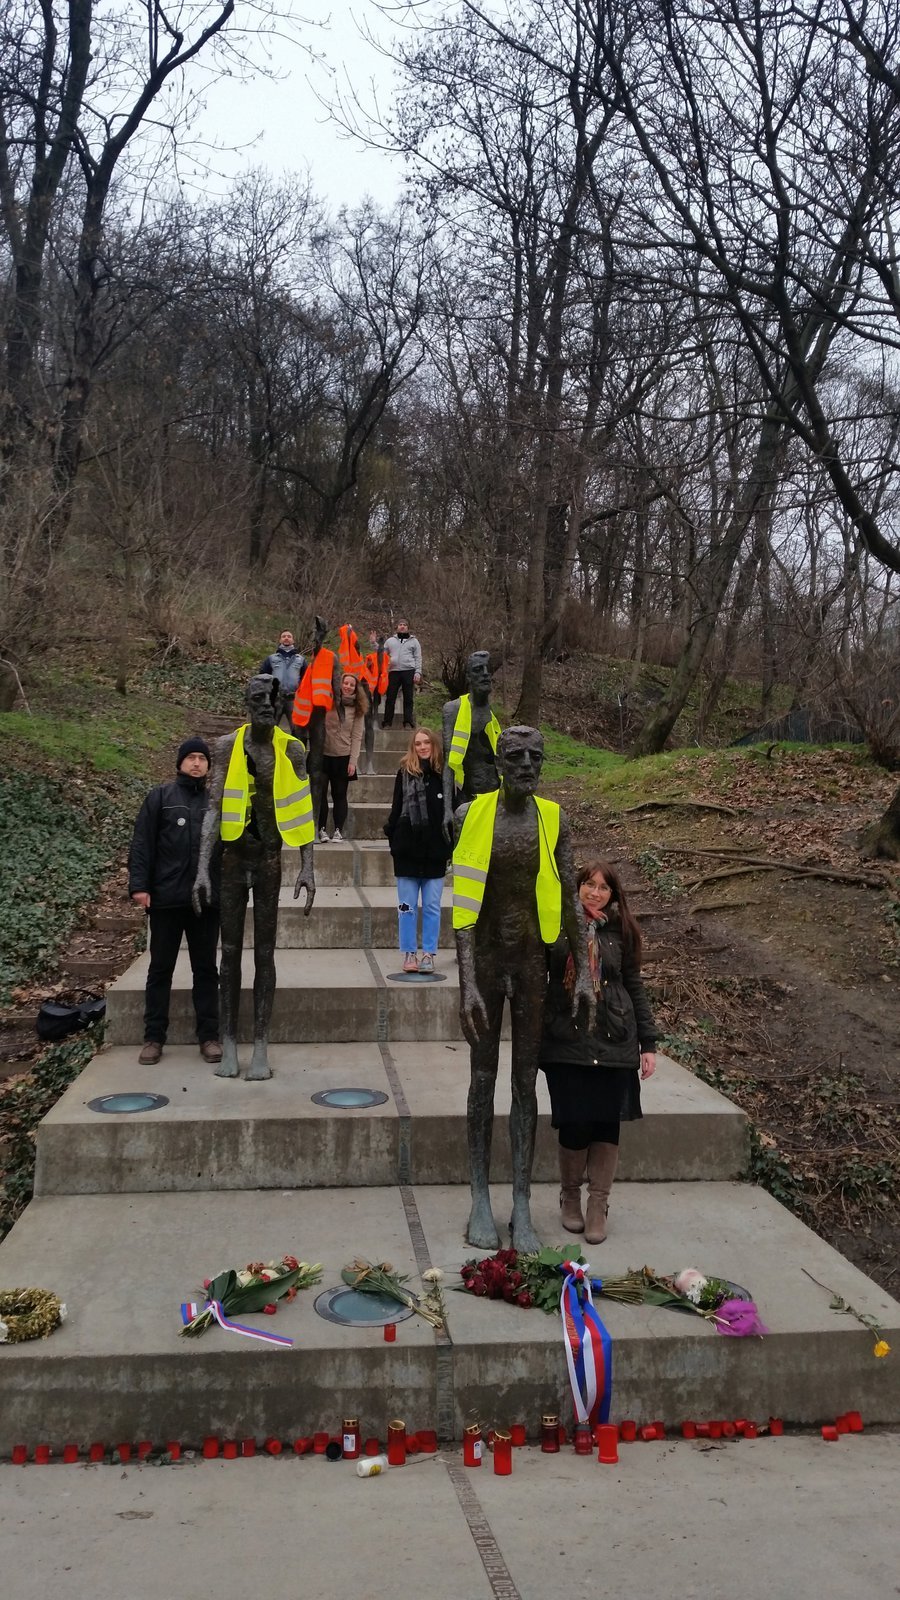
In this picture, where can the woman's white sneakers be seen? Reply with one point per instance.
(426, 964)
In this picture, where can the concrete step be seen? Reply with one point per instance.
(379, 789)
(345, 919)
(118, 1370)
(368, 862)
(319, 998)
(392, 741)
(229, 1134)
(366, 820)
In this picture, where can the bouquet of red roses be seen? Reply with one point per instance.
(497, 1277)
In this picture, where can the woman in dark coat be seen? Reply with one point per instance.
(415, 833)
(594, 1078)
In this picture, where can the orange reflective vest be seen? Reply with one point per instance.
(375, 671)
(348, 651)
(315, 688)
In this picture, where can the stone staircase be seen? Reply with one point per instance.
(132, 1211)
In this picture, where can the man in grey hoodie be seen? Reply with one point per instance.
(405, 672)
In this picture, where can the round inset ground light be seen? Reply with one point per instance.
(349, 1099)
(353, 1309)
(417, 977)
(122, 1104)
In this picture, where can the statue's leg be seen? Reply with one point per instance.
(315, 752)
(527, 1009)
(232, 914)
(481, 1230)
(266, 886)
(370, 739)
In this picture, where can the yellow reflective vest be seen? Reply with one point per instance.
(462, 732)
(472, 859)
(293, 801)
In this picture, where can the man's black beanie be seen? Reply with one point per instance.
(191, 747)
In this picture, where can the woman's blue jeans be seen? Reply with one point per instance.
(408, 892)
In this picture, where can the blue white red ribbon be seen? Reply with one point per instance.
(588, 1345)
(190, 1310)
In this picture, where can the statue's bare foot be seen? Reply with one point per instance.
(521, 1228)
(481, 1229)
(259, 1062)
(228, 1066)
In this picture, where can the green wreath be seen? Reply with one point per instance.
(29, 1314)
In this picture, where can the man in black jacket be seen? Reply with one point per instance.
(162, 864)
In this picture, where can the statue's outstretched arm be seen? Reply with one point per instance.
(212, 821)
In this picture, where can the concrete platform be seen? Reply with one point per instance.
(220, 1133)
(346, 918)
(119, 1370)
(318, 999)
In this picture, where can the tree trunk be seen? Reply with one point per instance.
(759, 481)
(882, 838)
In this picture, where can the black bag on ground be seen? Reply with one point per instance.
(55, 1021)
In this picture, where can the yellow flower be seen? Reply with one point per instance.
(882, 1348)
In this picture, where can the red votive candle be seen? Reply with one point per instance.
(248, 1447)
(210, 1448)
(42, 1454)
(608, 1444)
(830, 1433)
(124, 1452)
(350, 1439)
(302, 1446)
(396, 1451)
(173, 1448)
(689, 1430)
(70, 1453)
(842, 1424)
(390, 1332)
(144, 1448)
(550, 1434)
(776, 1427)
(517, 1433)
(97, 1452)
(740, 1424)
(473, 1446)
(628, 1432)
(855, 1420)
(19, 1455)
(582, 1439)
(413, 1446)
(230, 1450)
(503, 1454)
(428, 1441)
(703, 1430)
(659, 1429)
(751, 1431)
(320, 1442)
(715, 1430)
(273, 1447)
(373, 1447)
(729, 1430)
(648, 1432)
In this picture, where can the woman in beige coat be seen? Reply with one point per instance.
(343, 739)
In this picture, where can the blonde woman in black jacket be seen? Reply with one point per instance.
(595, 1078)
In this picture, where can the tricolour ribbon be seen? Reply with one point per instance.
(190, 1310)
(588, 1346)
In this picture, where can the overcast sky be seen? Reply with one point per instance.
(282, 126)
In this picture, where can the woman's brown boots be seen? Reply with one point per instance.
(571, 1176)
(602, 1160)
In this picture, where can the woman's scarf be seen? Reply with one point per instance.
(415, 800)
(595, 962)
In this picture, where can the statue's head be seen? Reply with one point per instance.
(478, 673)
(520, 757)
(261, 698)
